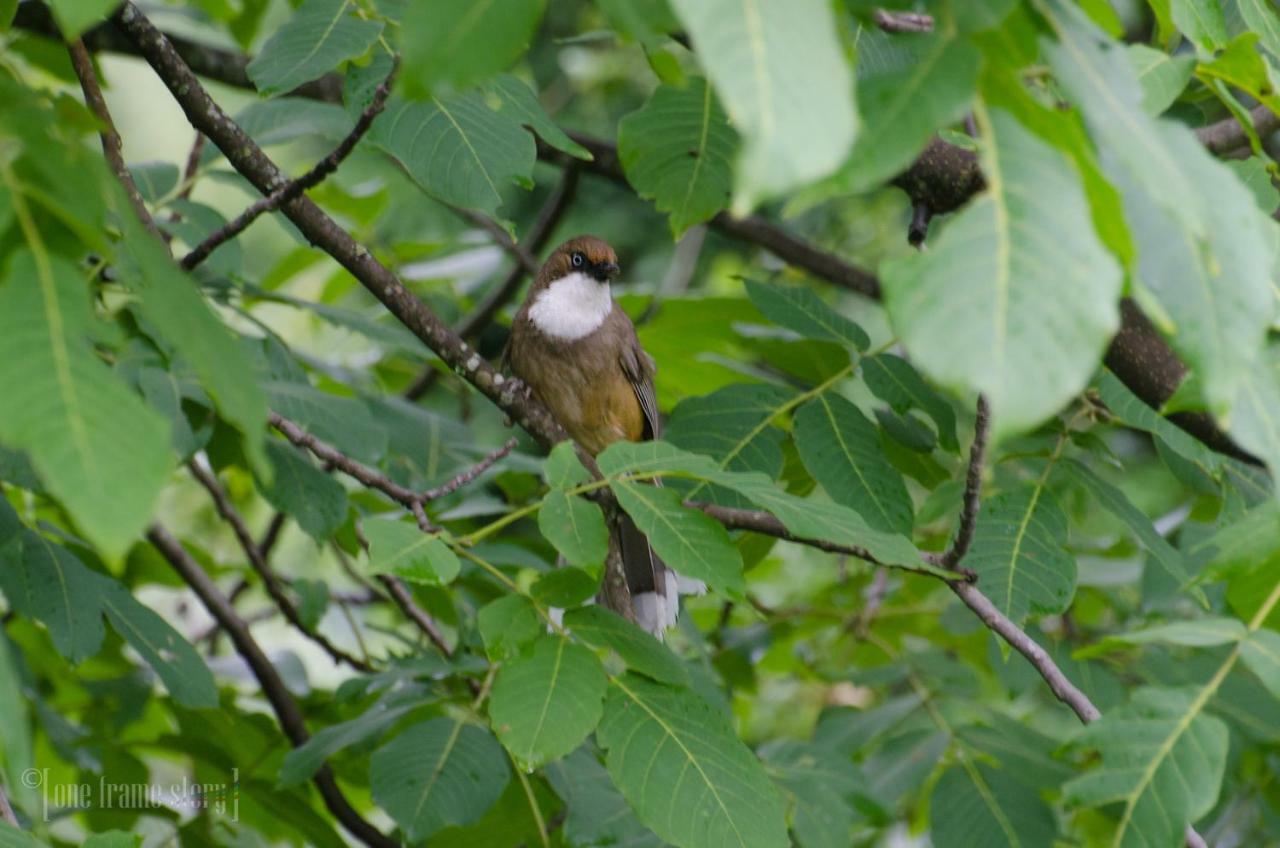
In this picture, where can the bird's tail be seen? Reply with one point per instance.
(655, 588)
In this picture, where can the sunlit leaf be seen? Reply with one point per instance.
(319, 36)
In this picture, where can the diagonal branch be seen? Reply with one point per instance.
(112, 147)
(251, 550)
(293, 188)
(273, 688)
(531, 245)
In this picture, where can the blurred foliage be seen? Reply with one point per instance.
(810, 698)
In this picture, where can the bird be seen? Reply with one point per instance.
(576, 351)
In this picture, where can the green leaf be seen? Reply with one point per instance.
(684, 771)
(96, 445)
(1201, 21)
(48, 583)
(457, 149)
(676, 150)
(314, 499)
(344, 422)
(690, 542)
(400, 548)
(902, 109)
(576, 527)
(818, 783)
(1168, 558)
(1255, 418)
(113, 839)
(546, 702)
(1261, 653)
(506, 624)
(782, 76)
(841, 449)
(1017, 299)
(517, 101)
(566, 587)
(731, 425)
(459, 42)
(1215, 296)
(975, 804)
(302, 762)
(319, 36)
(1162, 77)
(1260, 16)
(639, 649)
(596, 814)
(439, 773)
(1018, 553)
(75, 16)
(1198, 633)
(806, 518)
(1132, 412)
(647, 21)
(563, 469)
(892, 379)
(800, 309)
(1162, 759)
(172, 657)
(1098, 78)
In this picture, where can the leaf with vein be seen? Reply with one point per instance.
(902, 109)
(1261, 653)
(576, 528)
(460, 42)
(782, 75)
(639, 649)
(438, 773)
(546, 702)
(800, 309)
(1019, 555)
(397, 547)
(1017, 298)
(457, 149)
(677, 151)
(102, 451)
(841, 449)
(684, 770)
(319, 36)
(1162, 759)
(975, 804)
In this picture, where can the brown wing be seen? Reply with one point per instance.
(640, 368)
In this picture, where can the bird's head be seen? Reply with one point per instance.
(586, 255)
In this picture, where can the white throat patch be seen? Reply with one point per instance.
(571, 307)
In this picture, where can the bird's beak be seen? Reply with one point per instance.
(606, 271)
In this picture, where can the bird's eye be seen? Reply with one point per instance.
(577, 260)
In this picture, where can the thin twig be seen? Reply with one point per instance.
(403, 598)
(293, 188)
(222, 503)
(112, 148)
(972, 488)
(192, 169)
(273, 687)
(376, 480)
(6, 811)
(899, 22)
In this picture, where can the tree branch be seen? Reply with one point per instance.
(293, 188)
(321, 230)
(251, 550)
(273, 688)
(900, 22)
(537, 237)
(112, 147)
(972, 488)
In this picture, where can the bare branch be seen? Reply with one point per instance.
(6, 811)
(404, 600)
(112, 148)
(899, 22)
(192, 169)
(273, 688)
(293, 188)
(272, 583)
(972, 488)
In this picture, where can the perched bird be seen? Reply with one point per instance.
(579, 355)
